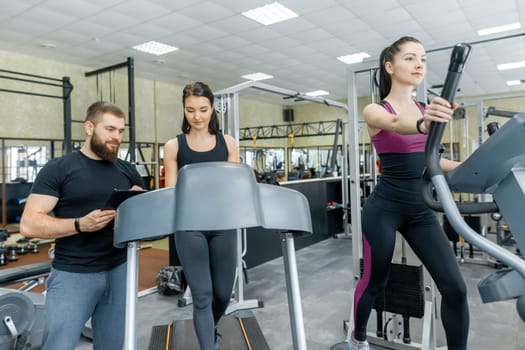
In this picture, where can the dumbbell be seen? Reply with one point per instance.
(12, 253)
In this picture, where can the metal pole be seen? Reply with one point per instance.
(130, 337)
(131, 100)
(4, 187)
(344, 185)
(294, 295)
(355, 198)
(67, 87)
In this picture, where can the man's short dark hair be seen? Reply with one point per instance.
(97, 109)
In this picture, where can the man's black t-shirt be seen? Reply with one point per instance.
(82, 185)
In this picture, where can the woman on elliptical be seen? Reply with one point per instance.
(208, 258)
(398, 126)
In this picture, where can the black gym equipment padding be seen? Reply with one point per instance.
(404, 295)
(492, 127)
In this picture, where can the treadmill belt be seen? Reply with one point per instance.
(252, 333)
(234, 331)
(159, 337)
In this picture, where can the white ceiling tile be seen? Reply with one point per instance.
(174, 5)
(229, 42)
(149, 32)
(236, 24)
(115, 20)
(281, 43)
(175, 22)
(369, 8)
(123, 39)
(67, 36)
(332, 45)
(347, 29)
(311, 35)
(207, 11)
(88, 28)
(329, 15)
(253, 50)
(293, 25)
(76, 9)
(259, 35)
(208, 48)
(305, 7)
(36, 28)
(206, 33)
(142, 9)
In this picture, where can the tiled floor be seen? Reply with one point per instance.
(325, 274)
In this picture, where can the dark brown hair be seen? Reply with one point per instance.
(97, 109)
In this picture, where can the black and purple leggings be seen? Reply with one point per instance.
(381, 218)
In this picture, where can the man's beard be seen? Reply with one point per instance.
(102, 150)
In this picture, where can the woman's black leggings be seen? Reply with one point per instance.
(208, 260)
(422, 231)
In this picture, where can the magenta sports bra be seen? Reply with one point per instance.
(391, 142)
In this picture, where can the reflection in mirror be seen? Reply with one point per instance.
(263, 160)
(23, 159)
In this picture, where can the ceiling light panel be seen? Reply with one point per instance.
(270, 14)
(353, 58)
(155, 48)
(257, 76)
(499, 29)
(317, 93)
(511, 65)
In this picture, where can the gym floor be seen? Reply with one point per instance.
(325, 273)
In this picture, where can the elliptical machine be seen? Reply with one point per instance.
(497, 168)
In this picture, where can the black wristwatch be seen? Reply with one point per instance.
(77, 225)
(418, 125)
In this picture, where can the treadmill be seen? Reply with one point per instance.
(213, 196)
(497, 168)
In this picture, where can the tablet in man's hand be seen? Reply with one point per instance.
(118, 196)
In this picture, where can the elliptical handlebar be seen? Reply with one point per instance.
(459, 57)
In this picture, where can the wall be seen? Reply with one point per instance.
(158, 107)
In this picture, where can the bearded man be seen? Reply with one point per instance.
(88, 274)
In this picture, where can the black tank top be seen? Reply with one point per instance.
(186, 155)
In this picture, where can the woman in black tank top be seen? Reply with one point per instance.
(201, 141)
